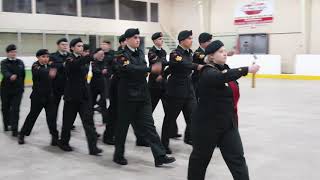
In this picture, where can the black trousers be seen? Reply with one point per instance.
(204, 139)
(174, 107)
(36, 107)
(10, 108)
(112, 114)
(57, 99)
(138, 114)
(70, 111)
(111, 118)
(102, 101)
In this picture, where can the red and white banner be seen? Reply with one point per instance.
(254, 12)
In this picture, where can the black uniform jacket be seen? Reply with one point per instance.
(9, 68)
(42, 83)
(216, 101)
(76, 78)
(181, 67)
(133, 71)
(157, 56)
(57, 61)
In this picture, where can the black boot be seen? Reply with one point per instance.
(163, 160)
(21, 139)
(54, 141)
(120, 160)
(15, 133)
(64, 147)
(96, 151)
(168, 150)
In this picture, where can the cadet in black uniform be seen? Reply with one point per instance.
(214, 121)
(134, 101)
(77, 99)
(180, 92)
(157, 83)
(114, 69)
(108, 58)
(57, 61)
(198, 57)
(97, 84)
(12, 88)
(122, 42)
(41, 97)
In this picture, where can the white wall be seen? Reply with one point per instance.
(307, 64)
(70, 24)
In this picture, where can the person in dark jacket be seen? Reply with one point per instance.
(57, 60)
(157, 83)
(198, 57)
(122, 42)
(99, 73)
(180, 92)
(42, 96)
(214, 121)
(77, 99)
(134, 104)
(12, 88)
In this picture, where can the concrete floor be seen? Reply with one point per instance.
(279, 125)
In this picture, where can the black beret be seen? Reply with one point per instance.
(156, 35)
(122, 38)
(86, 47)
(11, 47)
(205, 37)
(184, 35)
(62, 40)
(73, 42)
(97, 50)
(41, 52)
(131, 32)
(213, 47)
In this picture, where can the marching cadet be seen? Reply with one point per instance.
(214, 121)
(198, 57)
(42, 96)
(77, 99)
(122, 42)
(108, 58)
(134, 101)
(99, 73)
(180, 92)
(12, 88)
(114, 70)
(157, 83)
(57, 61)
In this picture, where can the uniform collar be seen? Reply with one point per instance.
(62, 53)
(201, 49)
(10, 59)
(76, 55)
(132, 49)
(157, 48)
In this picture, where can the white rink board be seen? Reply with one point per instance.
(308, 64)
(270, 64)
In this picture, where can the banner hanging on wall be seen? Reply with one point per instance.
(254, 12)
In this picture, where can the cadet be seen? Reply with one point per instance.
(42, 96)
(12, 88)
(214, 121)
(99, 73)
(157, 83)
(198, 57)
(122, 42)
(180, 92)
(57, 61)
(77, 100)
(134, 101)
